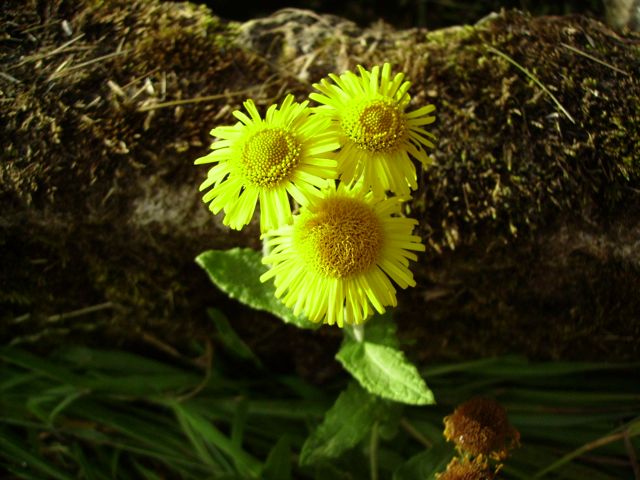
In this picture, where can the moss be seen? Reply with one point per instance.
(508, 181)
(104, 102)
(85, 148)
(448, 37)
(529, 217)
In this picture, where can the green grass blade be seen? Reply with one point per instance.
(12, 449)
(229, 338)
(207, 434)
(114, 361)
(530, 459)
(239, 422)
(632, 430)
(40, 366)
(279, 461)
(89, 468)
(151, 436)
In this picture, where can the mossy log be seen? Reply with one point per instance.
(530, 212)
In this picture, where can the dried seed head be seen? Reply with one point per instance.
(480, 427)
(466, 469)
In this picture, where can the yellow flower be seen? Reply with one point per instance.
(266, 159)
(336, 261)
(376, 134)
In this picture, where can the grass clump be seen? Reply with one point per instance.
(85, 413)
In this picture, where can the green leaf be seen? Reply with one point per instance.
(384, 371)
(278, 464)
(425, 465)
(237, 273)
(381, 329)
(345, 424)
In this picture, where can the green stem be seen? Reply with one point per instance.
(358, 332)
(266, 248)
(373, 452)
(411, 430)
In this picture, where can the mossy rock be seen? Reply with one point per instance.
(530, 211)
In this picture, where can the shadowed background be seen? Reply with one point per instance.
(530, 213)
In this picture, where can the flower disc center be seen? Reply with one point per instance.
(343, 237)
(375, 125)
(269, 156)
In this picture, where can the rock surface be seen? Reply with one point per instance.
(530, 213)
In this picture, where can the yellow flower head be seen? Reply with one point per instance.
(376, 134)
(336, 261)
(266, 159)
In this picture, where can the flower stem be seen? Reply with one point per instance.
(373, 452)
(266, 248)
(358, 333)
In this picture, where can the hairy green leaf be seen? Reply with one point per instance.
(384, 371)
(345, 424)
(381, 329)
(237, 273)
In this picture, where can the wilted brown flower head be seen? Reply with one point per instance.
(466, 469)
(480, 427)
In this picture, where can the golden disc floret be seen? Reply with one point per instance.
(338, 261)
(269, 157)
(378, 135)
(266, 161)
(376, 125)
(344, 237)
